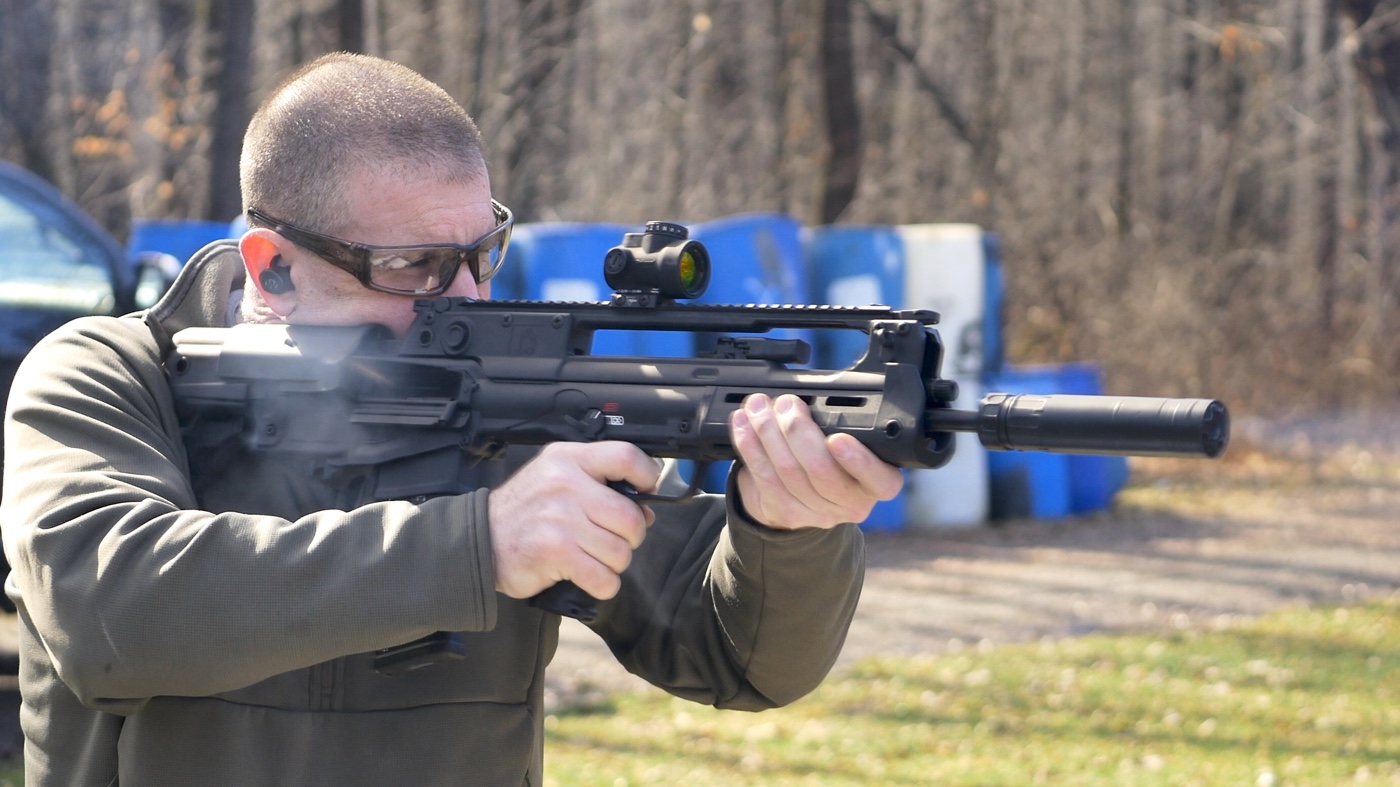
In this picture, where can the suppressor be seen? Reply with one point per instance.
(1075, 424)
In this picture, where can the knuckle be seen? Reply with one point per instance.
(743, 442)
(622, 558)
(613, 549)
(788, 466)
(558, 450)
(635, 532)
(601, 584)
(555, 549)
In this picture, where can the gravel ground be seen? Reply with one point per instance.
(1296, 513)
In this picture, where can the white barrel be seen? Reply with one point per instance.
(945, 270)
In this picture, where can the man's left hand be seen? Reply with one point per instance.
(794, 476)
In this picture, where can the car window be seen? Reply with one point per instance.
(45, 267)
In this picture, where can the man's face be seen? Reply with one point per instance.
(388, 210)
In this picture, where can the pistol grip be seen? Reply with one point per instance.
(567, 599)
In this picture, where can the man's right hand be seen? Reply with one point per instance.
(556, 518)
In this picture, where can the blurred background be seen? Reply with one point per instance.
(1197, 195)
(1157, 197)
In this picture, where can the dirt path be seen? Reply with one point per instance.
(1188, 545)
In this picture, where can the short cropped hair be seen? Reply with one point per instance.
(343, 113)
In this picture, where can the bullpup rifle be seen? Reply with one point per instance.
(472, 377)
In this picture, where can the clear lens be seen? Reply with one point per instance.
(490, 258)
(424, 269)
(413, 270)
(406, 270)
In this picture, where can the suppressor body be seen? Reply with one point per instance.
(1074, 424)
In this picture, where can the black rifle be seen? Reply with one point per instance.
(473, 377)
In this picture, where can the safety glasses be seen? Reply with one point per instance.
(423, 271)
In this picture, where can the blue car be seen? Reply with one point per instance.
(56, 264)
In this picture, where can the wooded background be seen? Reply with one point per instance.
(1198, 194)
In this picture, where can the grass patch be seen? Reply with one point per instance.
(1298, 697)
(1302, 696)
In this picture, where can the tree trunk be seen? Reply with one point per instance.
(232, 84)
(25, 40)
(351, 15)
(842, 167)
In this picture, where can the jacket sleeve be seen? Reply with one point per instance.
(721, 610)
(135, 592)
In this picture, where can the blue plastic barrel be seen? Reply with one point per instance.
(180, 238)
(994, 295)
(856, 266)
(852, 266)
(1045, 485)
(564, 262)
(756, 258)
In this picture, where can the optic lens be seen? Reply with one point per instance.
(666, 266)
(689, 270)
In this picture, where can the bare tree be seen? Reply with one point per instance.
(1222, 173)
(25, 44)
(230, 81)
(842, 166)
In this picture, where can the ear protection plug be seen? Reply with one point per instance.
(276, 281)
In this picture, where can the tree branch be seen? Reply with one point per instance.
(888, 29)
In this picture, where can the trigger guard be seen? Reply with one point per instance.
(631, 493)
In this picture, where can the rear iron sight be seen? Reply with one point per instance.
(660, 261)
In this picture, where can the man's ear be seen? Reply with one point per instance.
(263, 256)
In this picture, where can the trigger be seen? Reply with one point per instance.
(701, 468)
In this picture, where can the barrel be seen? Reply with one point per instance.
(944, 270)
(756, 258)
(852, 266)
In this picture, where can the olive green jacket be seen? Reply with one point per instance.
(210, 620)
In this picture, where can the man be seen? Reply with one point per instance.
(210, 617)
